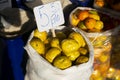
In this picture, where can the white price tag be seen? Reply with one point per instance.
(49, 16)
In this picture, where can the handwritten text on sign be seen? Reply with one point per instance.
(49, 16)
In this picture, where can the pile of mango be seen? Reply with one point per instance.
(64, 50)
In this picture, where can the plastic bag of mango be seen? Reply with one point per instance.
(89, 20)
(66, 56)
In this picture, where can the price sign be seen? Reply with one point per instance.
(49, 16)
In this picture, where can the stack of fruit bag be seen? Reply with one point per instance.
(98, 27)
(66, 54)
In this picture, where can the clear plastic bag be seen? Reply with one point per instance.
(103, 51)
(114, 70)
(102, 47)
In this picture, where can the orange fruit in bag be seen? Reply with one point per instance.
(103, 58)
(82, 26)
(52, 53)
(55, 42)
(83, 51)
(93, 12)
(94, 16)
(81, 59)
(38, 45)
(73, 55)
(74, 20)
(90, 23)
(83, 15)
(69, 45)
(77, 37)
(40, 35)
(62, 62)
(99, 25)
(95, 75)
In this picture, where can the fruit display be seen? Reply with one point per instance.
(86, 19)
(66, 49)
(97, 27)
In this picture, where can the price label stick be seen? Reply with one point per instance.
(53, 32)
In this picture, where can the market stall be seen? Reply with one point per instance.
(92, 53)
